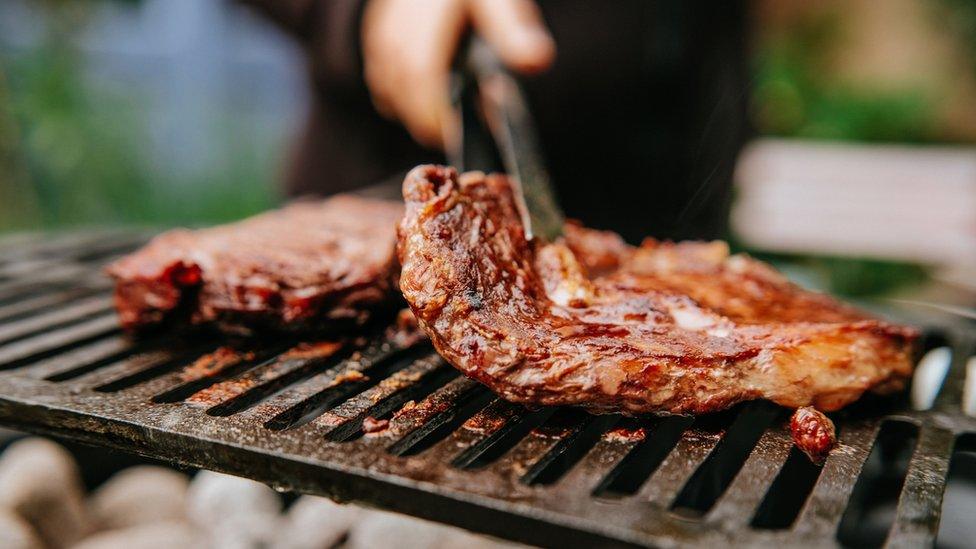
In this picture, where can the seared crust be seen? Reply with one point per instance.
(593, 322)
(305, 266)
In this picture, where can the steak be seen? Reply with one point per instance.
(307, 266)
(682, 328)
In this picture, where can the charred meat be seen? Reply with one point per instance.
(590, 321)
(306, 266)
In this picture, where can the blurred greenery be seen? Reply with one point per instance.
(962, 23)
(846, 276)
(792, 97)
(74, 153)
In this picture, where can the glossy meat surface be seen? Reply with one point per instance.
(305, 266)
(813, 432)
(593, 322)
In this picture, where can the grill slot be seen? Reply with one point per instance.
(51, 343)
(512, 465)
(925, 482)
(682, 461)
(957, 528)
(33, 305)
(590, 471)
(56, 278)
(292, 414)
(64, 365)
(787, 494)
(98, 356)
(16, 291)
(871, 510)
(828, 500)
(74, 247)
(736, 506)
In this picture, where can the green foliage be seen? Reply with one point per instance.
(792, 98)
(962, 22)
(847, 276)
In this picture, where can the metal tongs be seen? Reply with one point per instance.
(486, 93)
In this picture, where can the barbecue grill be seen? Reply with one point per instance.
(312, 418)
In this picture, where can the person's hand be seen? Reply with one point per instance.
(409, 45)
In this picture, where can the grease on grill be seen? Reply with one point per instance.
(348, 377)
(415, 414)
(226, 390)
(311, 350)
(373, 425)
(484, 423)
(625, 434)
(400, 380)
(213, 362)
(215, 394)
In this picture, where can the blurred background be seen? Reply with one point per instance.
(860, 177)
(141, 112)
(163, 113)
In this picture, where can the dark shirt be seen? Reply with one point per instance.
(640, 118)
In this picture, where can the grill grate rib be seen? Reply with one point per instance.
(295, 415)
(915, 523)
(52, 320)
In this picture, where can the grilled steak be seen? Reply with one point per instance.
(306, 266)
(593, 322)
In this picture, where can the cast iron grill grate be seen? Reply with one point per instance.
(379, 420)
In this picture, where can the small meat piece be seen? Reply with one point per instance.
(813, 432)
(373, 425)
(590, 321)
(306, 266)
